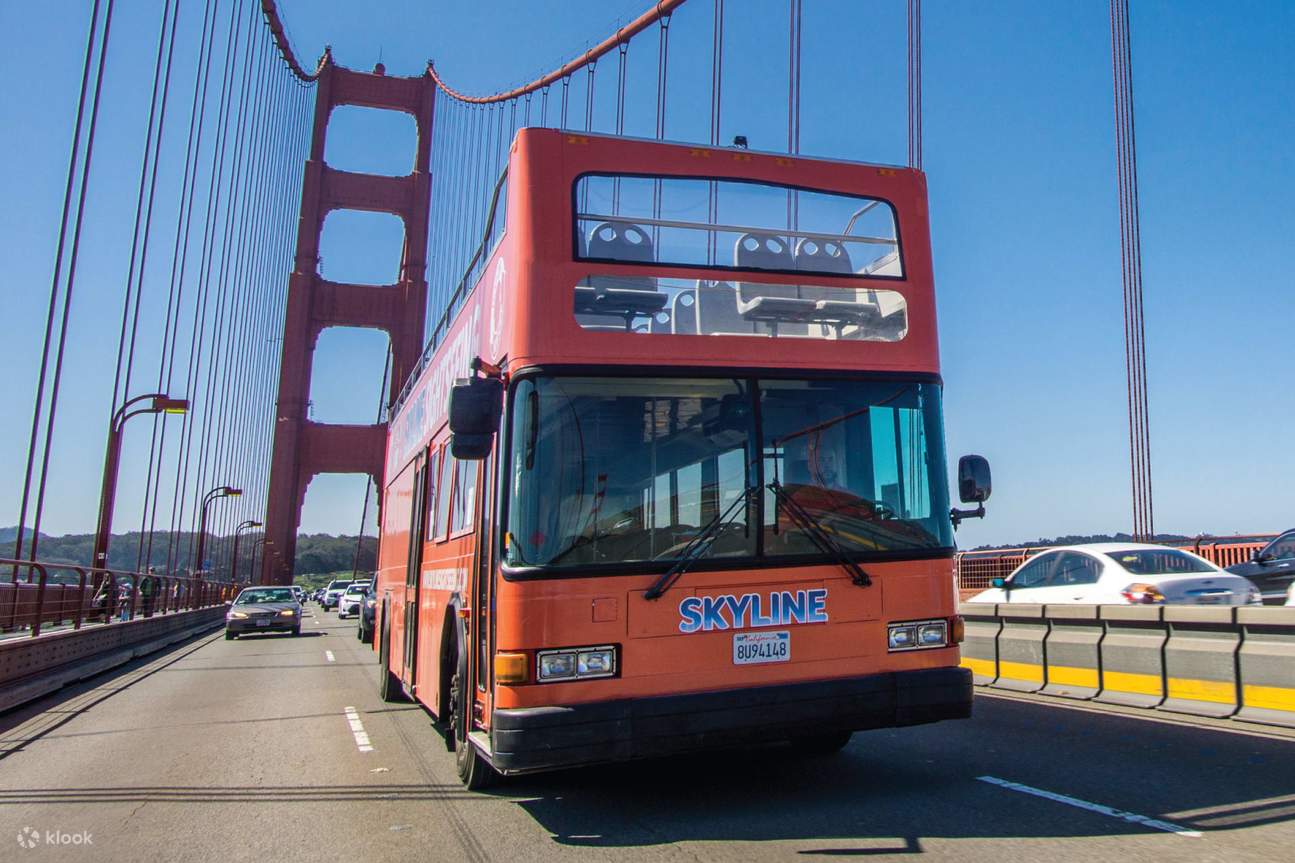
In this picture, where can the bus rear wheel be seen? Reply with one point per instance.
(389, 688)
(474, 772)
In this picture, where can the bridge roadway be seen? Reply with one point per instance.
(244, 750)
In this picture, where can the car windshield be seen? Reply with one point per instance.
(339, 585)
(615, 470)
(252, 597)
(1158, 561)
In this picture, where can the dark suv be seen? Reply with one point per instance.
(1272, 569)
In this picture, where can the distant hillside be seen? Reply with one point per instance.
(317, 553)
(1075, 539)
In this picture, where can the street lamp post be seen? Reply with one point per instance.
(259, 544)
(218, 491)
(160, 403)
(233, 564)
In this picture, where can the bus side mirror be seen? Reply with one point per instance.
(475, 406)
(974, 486)
(974, 483)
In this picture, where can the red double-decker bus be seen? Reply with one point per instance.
(674, 474)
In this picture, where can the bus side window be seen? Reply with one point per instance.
(444, 491)
(433, 486)
(463, 511)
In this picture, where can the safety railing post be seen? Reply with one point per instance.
(40, 597)
(80, 596)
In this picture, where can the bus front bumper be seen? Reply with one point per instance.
(546, 738)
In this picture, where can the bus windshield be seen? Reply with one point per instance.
(629, 470)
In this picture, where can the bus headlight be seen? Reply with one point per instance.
(917, 635)
(575, 663)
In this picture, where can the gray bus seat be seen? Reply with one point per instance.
(717, 312)
(775, 305)
(683, 313)
(624, 297)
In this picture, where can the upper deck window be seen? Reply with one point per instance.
(734, 224)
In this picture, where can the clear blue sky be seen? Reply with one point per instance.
(1020, 157)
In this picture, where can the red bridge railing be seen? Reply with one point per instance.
(60, 594)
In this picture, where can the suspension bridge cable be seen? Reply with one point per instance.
(75, 215)
(658, 11)
(141, 561)
(73, 160)
(1131, 265)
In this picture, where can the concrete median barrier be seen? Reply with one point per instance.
(1132, 655)
(1021, 647)
(1266, 663)
(1073, 651)
(980, 642)
(1201, 661)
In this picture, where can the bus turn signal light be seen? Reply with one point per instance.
(958, 630)
(510, 668)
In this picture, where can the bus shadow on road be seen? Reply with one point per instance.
(886, 793)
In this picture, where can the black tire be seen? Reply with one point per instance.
(366, 634)
(230, 636)
(821, 744)
(474, 772)
(389, 687)
(296, 632)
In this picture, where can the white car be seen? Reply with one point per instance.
(1119, 573)
(351, 601)
(334, 592)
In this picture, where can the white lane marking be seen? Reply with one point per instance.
(328, 654)
(1131, 817)
(362, 741)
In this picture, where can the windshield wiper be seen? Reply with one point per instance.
(818, 536)
(699, 544)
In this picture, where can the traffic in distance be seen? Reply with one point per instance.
(672, 473)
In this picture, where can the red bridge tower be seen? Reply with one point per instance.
(303, 448)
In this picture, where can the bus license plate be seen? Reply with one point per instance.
(750, 648)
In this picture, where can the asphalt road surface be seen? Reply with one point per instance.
(278, 748)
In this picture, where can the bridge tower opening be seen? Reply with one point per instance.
(304, 448)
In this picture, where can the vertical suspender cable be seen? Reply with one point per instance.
(71, 281)
(73, 158)
(716, 92)
(915, 84)
(589, 97)
(1131, 260)
(663, 68)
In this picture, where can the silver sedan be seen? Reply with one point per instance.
(263, 609)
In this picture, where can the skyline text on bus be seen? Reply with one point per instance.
(729, 611)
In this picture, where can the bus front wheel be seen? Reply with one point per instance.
(473, 770)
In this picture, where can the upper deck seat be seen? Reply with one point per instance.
(829, 256)
(683, 313)
(775, 305)
(717, 312)
(624, 297)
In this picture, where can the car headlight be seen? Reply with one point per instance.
(287, 612)
(575, 663)
(917, 635)
(1254, 597)
(238, 615)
